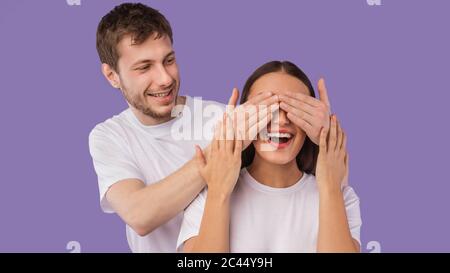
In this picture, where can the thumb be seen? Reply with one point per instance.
(234, 97)
(323, 140)
(346, 159)
(200, 157)
(323, 94)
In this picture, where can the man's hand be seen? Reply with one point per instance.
(252, 116)
(308, 113)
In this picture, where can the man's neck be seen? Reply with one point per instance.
(274, 175)
(149, 121)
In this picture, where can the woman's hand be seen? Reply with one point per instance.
(332, 162)
(221, 168)
(332, 166)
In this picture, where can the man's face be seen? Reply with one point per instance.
(148, 74)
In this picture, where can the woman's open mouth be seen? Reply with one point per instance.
(279, 140)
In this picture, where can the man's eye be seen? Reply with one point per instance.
(144, 67)
(170, 61)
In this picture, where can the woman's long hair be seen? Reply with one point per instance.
(307, 157)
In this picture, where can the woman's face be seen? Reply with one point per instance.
(284, 140)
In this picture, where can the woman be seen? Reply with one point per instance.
(275, 203)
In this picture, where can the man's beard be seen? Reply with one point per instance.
(141, 104)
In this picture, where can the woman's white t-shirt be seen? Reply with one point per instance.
(266, 219)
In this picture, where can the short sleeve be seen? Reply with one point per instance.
(112, 161)
(352, 209)
(192, 219)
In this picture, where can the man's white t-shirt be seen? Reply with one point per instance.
(267, 219)
(123, 148)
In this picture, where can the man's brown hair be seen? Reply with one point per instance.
(135, 19)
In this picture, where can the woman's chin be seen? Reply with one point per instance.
(277, 158)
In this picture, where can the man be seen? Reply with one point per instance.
(146, 175)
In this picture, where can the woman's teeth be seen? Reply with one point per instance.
(276, 134)
(279, 137)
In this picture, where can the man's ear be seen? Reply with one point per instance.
(111, 75)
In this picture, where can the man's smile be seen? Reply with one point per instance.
(165, 96)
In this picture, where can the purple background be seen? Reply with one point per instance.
(386, 69)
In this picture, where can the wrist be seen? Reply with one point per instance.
(330, 190)
(218, 195)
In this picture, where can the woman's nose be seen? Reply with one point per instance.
(282, 117)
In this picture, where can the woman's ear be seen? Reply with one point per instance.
(111, 75)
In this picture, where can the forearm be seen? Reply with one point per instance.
(157, 203)
(334, 233)
(214, 234)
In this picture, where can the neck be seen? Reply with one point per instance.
(274, 175)
(149, 121)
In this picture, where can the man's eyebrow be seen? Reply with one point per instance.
(147, 61)
(169, 54)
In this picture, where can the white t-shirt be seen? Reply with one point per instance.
(267, 219)
(123, 148)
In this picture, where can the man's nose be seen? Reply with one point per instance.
(163, 78)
